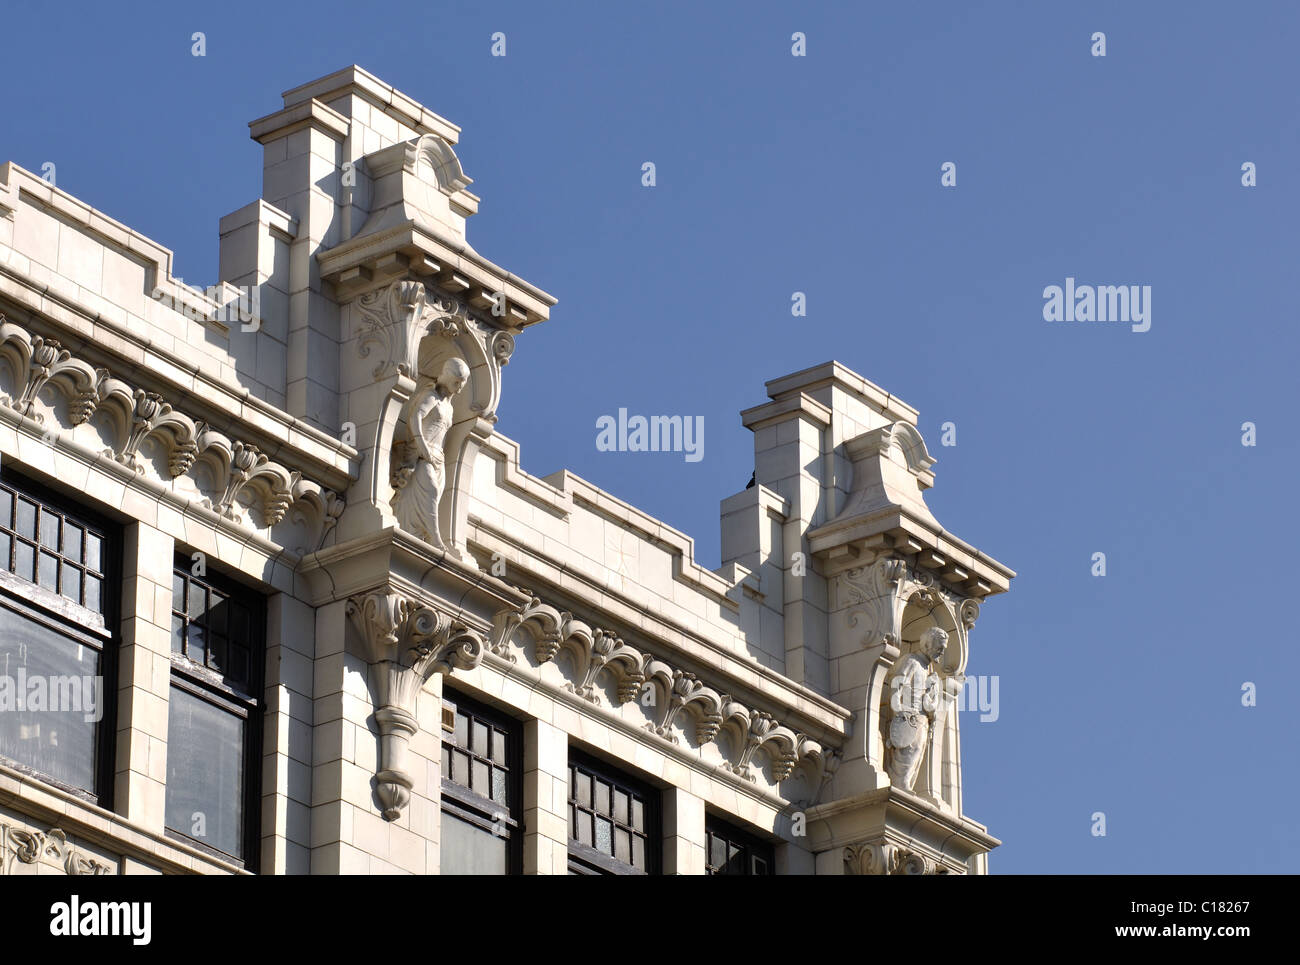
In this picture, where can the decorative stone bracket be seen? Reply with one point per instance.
(889, 859)
(405, 644)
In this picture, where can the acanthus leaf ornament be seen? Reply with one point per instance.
(405, 642)
(134, 418)
(51, 847)
(597, 650)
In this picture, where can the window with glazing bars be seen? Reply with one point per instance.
(613, 821)
(731, 851)
(481, 789)
(214, 756)
(58, 606)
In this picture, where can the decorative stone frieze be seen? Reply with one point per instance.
(23, 846)
(405, 642)
(235, 472)
(675, 690)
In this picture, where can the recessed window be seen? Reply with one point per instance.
(213, 713)
(481, 770)
(613, 821)
(57, 630)
(731, 851)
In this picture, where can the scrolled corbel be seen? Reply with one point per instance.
(405, 643)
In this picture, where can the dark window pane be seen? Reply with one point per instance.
(93, 543)
(717, 851)
(26, 522)
(735, 860)
(446, 761)
(24, 560)
(198, 604)
(195, 647)
(5, 548)
(178, 592)
(178, 635)
(6, 508)
(205, 772)
(584, 828)
(93, 587)
(56, 736)
(72, 583)
(460, 768)
(217, 652)
(71, 541)
(238, 671)
(49, 530)
(49, 572)
(498, 785)
(241, 626)
(218, 607)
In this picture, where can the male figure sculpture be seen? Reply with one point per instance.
(421, 476)
(914, 699)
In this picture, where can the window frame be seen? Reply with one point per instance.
(468, 805)
(205, 684)
(50, 609)
(586, 859)
(749, 843)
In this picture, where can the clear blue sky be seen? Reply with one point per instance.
(821, 174)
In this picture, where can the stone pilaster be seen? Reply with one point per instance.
(144, 677)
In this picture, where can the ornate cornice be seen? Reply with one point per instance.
(235, 472)
(675, 691)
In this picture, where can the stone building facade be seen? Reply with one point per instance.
(276, 597)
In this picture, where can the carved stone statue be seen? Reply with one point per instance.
(420, 476)
(914, 699)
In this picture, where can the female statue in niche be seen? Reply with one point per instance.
(420, 478)
(914, 699)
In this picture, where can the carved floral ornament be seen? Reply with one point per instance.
(877, 594)
(132, 416)
(889, 859)
(397, 318)
(405, 642)
(26, 847)
(675, 691)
